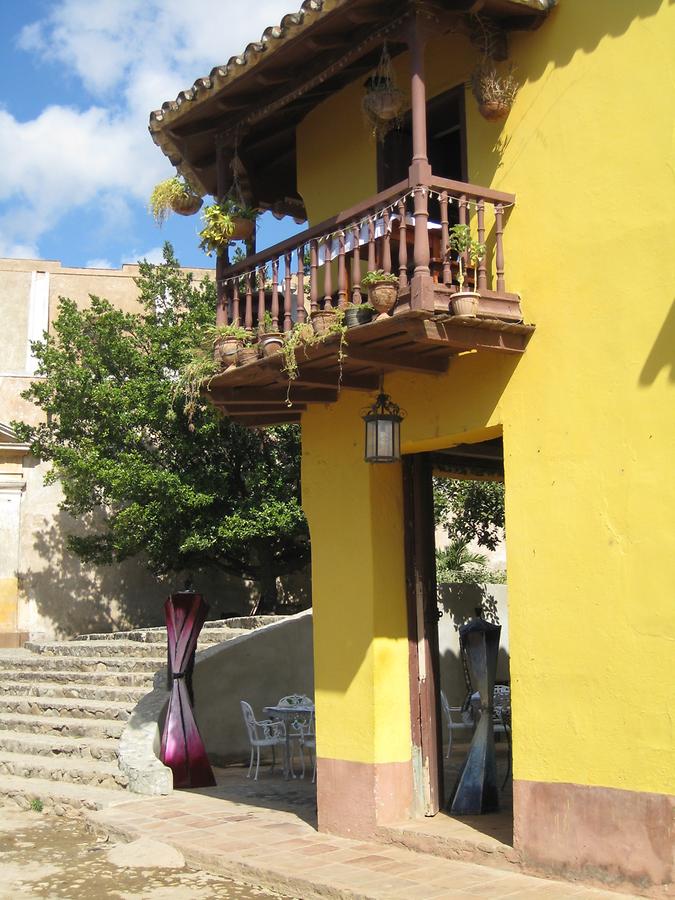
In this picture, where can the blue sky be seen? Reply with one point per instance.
(78, 81)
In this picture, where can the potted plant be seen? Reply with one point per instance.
(494, 92)
(465, 303)
(358, 314)
(323, 319)
(243, 219)
(226, 341)
(382, 290)
(173, 195)
(193, 377)
(270, 339)
(248, 351)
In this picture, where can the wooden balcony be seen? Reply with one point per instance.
(403, 230)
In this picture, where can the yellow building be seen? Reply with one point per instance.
(567, 365)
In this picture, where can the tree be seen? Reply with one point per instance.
(470, 510)
(150, 480)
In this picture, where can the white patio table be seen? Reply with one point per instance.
(287, 714)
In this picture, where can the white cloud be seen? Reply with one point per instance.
(98, 264)
(154, 256)
(129, 56)
(12, 250)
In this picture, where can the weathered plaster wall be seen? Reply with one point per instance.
(44, 589)
(586, 417)
(261, 668)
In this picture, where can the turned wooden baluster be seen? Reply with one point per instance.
(463, 208)
(421, 250)
(342, 272)
(221, 303)
(356, 266)
(482, 265)
(327, 275)
(402, 247)
(300, 311)
(248, 307)
(288, 321)
(372, 265)
(314, 277)
(235, 302)
(445, 238)
(386, 243)
(262, 274)
(275, 295)
(499, 247)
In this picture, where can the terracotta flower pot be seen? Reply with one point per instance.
(465, 304)
(271, 342)
(225, 350)
(322, 320)
(247, 355)
(382, 295)
(494, 110)
(357, 315)
(243, 229)
(186, 204)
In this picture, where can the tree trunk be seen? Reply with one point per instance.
(268, 595)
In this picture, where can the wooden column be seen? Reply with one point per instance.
(420, 170)
(418, 511)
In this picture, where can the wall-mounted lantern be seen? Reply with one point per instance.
(383, 430)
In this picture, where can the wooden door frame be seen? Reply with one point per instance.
(423, 652)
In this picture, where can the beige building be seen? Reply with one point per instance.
(45, 591)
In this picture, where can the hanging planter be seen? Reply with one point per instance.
(494, 92)
(173, 195)
(383, 101)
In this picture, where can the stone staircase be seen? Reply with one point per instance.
(64, 705)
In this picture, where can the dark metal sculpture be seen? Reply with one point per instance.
(182, 747)
(476, 789)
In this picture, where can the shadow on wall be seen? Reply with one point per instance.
(662, 354)
(75, 597)
(457, 604)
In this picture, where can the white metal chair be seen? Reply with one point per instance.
(262, 734)
(456, 724)
(501, 719)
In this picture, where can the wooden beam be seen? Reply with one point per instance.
(404, 360)
(269, 419)
(254, 409)
(267, 395)
(467, 337)
(316, 378)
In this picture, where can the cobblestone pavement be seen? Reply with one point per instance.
(265, 834)
(48, 857)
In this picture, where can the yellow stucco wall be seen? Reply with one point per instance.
(586, 414)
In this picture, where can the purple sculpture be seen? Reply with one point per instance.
(182, 748)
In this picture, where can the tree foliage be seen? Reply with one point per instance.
(470, 510)
(183, 493)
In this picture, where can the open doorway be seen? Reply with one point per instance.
(456, 558)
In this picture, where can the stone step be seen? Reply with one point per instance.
(127, 649)
(157, 634)
(75, 689)
(151, 636)
(69, 707)
(141, 680)
(63, 726)
(60, 747)
(61, 798)
(104, 664)
(93, 773)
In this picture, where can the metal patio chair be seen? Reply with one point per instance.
(267, 733)
(456, 724)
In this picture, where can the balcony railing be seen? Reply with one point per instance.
(403, 230)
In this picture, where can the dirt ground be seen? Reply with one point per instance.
(53, 857)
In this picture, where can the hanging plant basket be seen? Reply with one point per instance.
(383, 102)
(242, 228)
(186, 204)
(494, 91)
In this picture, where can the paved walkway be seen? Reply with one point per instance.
(265, 835)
